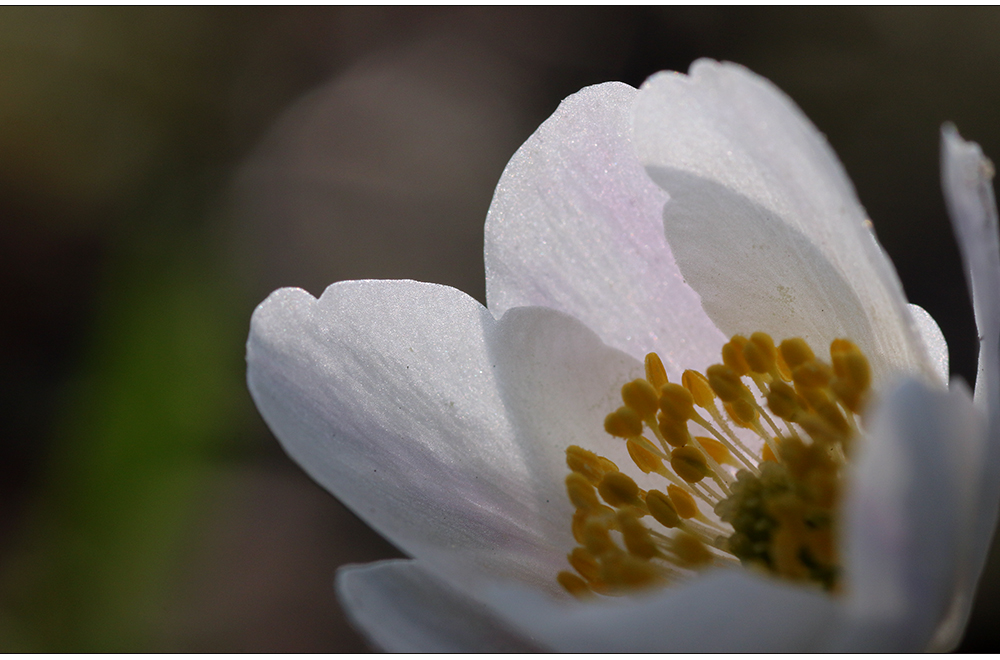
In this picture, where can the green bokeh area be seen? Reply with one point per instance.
(162, 170)
(112, 130)
(159, 401)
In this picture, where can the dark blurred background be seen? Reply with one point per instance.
(162, 170)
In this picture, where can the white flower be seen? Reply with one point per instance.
(443, 424)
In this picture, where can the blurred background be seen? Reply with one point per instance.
(162, 170)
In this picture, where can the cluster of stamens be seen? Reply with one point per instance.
(756, 484)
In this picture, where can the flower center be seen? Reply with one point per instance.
(756, 484)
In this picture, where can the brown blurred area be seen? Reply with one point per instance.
(163, 170)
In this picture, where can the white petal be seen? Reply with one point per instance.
(441, 427)
(763, 222)
(576, 225)
(933, 339)
(966, 178)
(909, 518)
(720, 612)
(403, 608)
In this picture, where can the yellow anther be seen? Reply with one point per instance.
(784, 372)
(644, 459)
(581, 491)
(850, 364)
(588, 463)
(581, 516)
(597, 537)
(690, 551)
(760, 353)
(655, 373)
(732, 355)
(676, 402)
(699, 388)
(579, 520)
(821, 546)
(725, 383)
(584, 563)
(831, 414)
(636, 536)
(574, 584)
(689, 464)
(718, 451)
(847, 395)
(623, 423)
(783, 401)
(817, 428)
(790, 537)
(662, 509)
(684, 504)
(742, 412)
(815, 397)
(812, 374)
(640, 396)
(628, 572)
(675, 433)
(618, 489)
(796, 351)
(853, 374)
(777, 512)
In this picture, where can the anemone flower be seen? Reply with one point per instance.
(574, 468)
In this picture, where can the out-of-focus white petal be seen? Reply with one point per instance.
(966, 177)
(719, 612)
(909, 522)
(440, 426)
(576, 225)
(933, 339)
(403, 608)
(762, 220)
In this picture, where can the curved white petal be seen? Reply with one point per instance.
(966, 177)
(933, 339)
(762, 220)
(909, 518)
(576, 225)
(440, 426)
(720, 612)
(403, 608)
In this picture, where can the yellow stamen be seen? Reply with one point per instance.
(623, 423)
(641, 397)
(574, 584)
(746, 493)
(733, 355)
(662, 509)
(684, 504)
(655, 373)
(618, 489)
(589, 464)
(644, 459)
(584, 563)
(689, 464)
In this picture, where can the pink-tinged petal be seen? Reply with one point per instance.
(576, 225)
(762, 220)
(719, 612)
(909, 525)
(966, 178)
(443, 428)
(402, 608)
